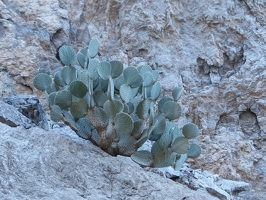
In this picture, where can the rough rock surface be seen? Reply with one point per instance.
(56, 164)
(215, 49)
(31, 107)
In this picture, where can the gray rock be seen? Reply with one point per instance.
(12, 117)
(57, 164)
(30, 107)
(233, 187)
(197, 179)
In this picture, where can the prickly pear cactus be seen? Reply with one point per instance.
(118, 109)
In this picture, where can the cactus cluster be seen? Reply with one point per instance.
(118, 109)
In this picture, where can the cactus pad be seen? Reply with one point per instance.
(78, 89)
(78, 108)
(194, 151)
(180, 145)
(144, 158)
(190, 131)
(93, 48)
(67, 55)
(177, 92)
(125, 93)
(172, 110)
(42, 81)
(63, 99)
(123, 123)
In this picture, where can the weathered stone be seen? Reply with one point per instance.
(12, 117)
(31, 107)
(57, 164)
(198, 179)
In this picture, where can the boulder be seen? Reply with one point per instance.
(57, 164)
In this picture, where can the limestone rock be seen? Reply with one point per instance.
(56, 164)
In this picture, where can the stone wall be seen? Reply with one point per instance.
(215, 49)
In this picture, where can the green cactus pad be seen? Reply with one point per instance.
(83, 75)
(63, 99)
(155, 66)
(190, 131)
(143, 109)
(102, 84)
(95, 138)
(135, 91)
(51, 99)
(78, 89)
(164, 158)
(172, 110)
(154, 137)
(138, 128)
(180, 145)
(104, 70)
(84, 51)
(132, 77)
(125, 110)
(93, 48)
(59, 80)
(169, 126)
(155, 91)
(162, 102)
(42, 81)
(84, 128)
(93, 69)
(67, 55)
(111, 108)
(68, 118)
(155, 75)
(160, 124)
(130, 107)
(144, 158)
(126, 93)
(97, 117)
(78, 108)
(123, 123)
(100, 98)
(194, 151)
(52, 88)
(177, 92)
(81, 59)
(180, 161)
(69, 74)
(147, 79)
(176, 132)
(155, 148)
(143, 138)
(164, 141)
(118, 82)
(55, 113)
(144, 68)
(116, 68)
(126, 145)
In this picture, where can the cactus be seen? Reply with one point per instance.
(115, 108)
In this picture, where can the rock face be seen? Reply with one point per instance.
(214, 49)
(37, 164)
